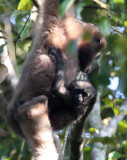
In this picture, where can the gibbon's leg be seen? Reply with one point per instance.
(35, 124)
(83, 94)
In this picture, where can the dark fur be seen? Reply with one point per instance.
(46, 97)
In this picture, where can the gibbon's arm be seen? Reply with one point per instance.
(59, 33)
(59, 88)
(88, 49)
(34, 112)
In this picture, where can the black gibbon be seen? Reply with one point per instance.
(48, 97)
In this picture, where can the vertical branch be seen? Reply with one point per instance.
(76, 140)
(21, 150)
(11, 48)
(5, 59)
(65, 139)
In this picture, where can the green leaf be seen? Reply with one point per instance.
(118, 1)
(125, 146)
(116, 110)
(87, 149)
(104, 26)
(26, 31)
(25, 5)
(104, 140)
(123, 83)
(64, 7)
(94, 130)
(122, 126)
(103, 76)
(114, 155)
(2, 4)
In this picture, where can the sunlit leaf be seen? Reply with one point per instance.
(125, 146)
(114, 155)
(122, 126)
(87, 149)
(118, 101)
(94, 130)
(125, 23)
(116, 110)
(25, 5)
(118, 1)
(87, 152)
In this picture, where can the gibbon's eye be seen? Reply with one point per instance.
(97, 39)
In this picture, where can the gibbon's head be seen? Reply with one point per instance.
(89, 46)
(82, 91)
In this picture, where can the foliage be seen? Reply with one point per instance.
(111, 18)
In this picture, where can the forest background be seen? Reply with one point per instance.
(104, 135)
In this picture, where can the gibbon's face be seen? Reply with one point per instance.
(89, 47)
(81, 91)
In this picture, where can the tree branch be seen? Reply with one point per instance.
(76, 139)
(10, 44)
(94, 119)
(103, 5)
(5, 59)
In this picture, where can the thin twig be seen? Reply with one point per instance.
(21, 150)
(65, 139)
(115, 29)
(24, 25)
(111, 9)
(21, 48)
(103, 5)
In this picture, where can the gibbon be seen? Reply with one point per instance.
(48, 97)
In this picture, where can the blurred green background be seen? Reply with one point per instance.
(105, 136)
